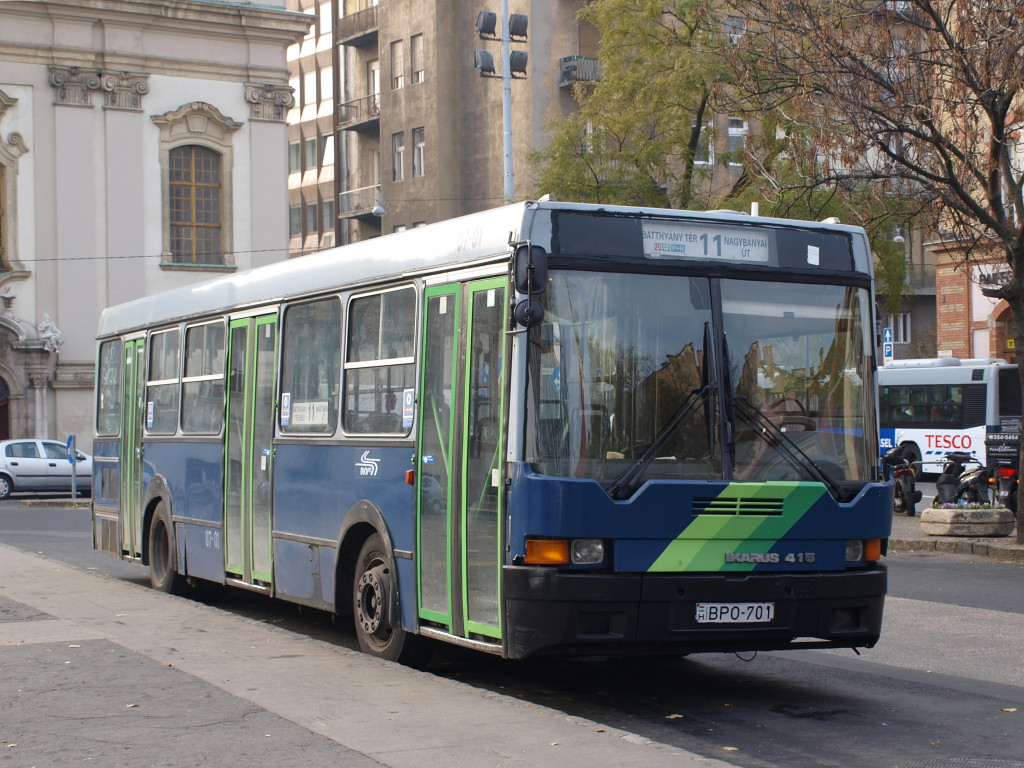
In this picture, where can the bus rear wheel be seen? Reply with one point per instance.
(372, 600)
(163, 555)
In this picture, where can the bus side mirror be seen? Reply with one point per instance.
(530, 269)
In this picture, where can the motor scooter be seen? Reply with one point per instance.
(906, 495)
(957, 482)
(1005, 477)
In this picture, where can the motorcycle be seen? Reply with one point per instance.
(958, 483)
(906, 494)
(1005, 477)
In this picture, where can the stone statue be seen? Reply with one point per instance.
(52, 338)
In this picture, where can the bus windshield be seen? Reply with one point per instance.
(781, 390)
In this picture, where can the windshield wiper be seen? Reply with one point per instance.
(757, 417)
(623, 487)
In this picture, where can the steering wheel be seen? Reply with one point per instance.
(797, 418)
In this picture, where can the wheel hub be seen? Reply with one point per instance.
(372, 600)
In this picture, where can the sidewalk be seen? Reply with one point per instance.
(102, 670)
(907, 536)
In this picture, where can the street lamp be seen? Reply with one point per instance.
(512, 27)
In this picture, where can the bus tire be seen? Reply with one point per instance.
(372, 601)
(163, 554)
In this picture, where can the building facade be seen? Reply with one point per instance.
(971, 324)
(393, 115)
(142, 147)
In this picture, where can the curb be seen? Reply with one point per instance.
(63, 503)
(1013, 553)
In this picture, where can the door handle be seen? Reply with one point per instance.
(53, 464)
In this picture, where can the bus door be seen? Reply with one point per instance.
(248, 449)
(130, 459)
(460, 469)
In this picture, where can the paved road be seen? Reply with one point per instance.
(944, 686)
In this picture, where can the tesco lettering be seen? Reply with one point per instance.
(956, 442)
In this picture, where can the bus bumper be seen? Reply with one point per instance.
(552, 612)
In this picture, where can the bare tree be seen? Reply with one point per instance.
(919, 98)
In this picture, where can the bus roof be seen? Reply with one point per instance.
(474, 238)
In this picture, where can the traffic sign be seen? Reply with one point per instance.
(887, 335)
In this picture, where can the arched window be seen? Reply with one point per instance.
(195, 205)
(196, 159)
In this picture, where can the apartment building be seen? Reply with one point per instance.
(392, 112)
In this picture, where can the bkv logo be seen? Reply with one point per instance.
(367, 466)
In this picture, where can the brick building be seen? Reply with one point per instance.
(968, 323)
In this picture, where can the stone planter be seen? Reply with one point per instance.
(958, 521)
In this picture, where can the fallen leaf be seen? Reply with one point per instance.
(1008, 709)
(674, 717)
(731, 749)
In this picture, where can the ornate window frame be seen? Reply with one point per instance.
(203, 125)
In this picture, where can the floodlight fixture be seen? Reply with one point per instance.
(517, 63)
(517, 26)
(484, 62)
(487, 24)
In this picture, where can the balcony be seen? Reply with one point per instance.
(578, 69)
(358, 203)
(361, 114)
(358, 29)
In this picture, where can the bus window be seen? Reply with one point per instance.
(799, 359)
(162, 386)
(1009, 392)
(202, 408)
(614, 360)
(379, 362)
(310, 368)
(108, 407)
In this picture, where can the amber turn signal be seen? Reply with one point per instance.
(872, 550)
(547, 551)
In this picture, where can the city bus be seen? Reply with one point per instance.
(548, 428)
(935, 406)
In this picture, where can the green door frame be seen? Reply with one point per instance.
(248, 448)
(453, 450)
(130, 460)
(435, 447)
(482, 445)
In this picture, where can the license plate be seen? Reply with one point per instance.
(735, 613)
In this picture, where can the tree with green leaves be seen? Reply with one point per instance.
(920, 100)
(667, 68)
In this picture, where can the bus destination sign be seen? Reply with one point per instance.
(691, 240)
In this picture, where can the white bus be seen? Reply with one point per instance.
(939, 405)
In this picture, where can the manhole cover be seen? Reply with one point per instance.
(964, 762)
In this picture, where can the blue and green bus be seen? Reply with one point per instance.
(548, 428)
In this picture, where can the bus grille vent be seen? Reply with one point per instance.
(737, 506)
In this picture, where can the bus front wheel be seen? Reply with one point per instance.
(372, 601)
(163, 556)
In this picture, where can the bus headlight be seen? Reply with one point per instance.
(587, 551)
(854, 551)
(868, 550)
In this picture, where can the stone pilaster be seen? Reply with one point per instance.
(269, 102)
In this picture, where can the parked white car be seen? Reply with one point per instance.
(41, 465)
